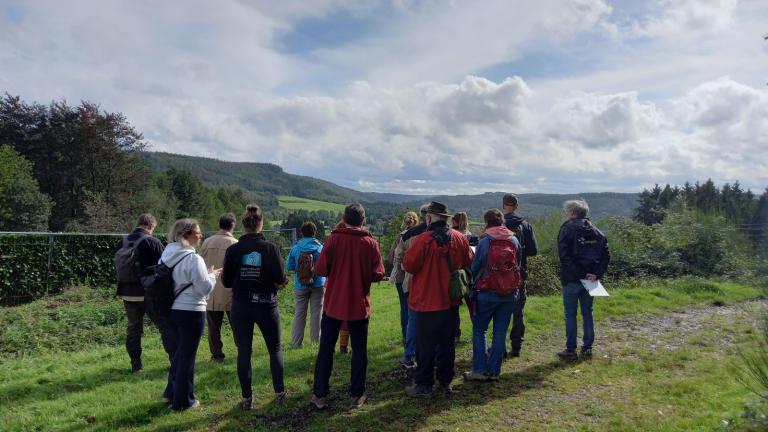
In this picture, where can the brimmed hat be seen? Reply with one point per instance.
(438, 209)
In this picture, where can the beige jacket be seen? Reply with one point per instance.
(213, 250)
(400, 249)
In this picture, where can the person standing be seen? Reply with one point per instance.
(584, 254)
(192, 284)
(410, 219)
(351, 261)
(432, 257)
(524, 233)
(308, 287)
(253, 268)
(140, 250)
(220, 302)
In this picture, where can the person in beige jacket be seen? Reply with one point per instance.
(220, 300)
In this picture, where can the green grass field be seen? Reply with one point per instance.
(296, 203)
(664, 360)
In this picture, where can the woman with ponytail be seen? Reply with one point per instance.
(253, 268)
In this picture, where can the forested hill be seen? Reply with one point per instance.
(265, 178)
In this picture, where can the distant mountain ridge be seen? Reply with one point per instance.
(270, 179)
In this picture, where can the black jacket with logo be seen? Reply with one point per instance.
(583, 249)
(253, 265)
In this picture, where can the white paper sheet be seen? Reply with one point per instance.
(595, 289)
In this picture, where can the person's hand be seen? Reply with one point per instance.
(216, 272)
(591, 277)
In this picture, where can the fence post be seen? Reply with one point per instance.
(293, 236)
(50, 261)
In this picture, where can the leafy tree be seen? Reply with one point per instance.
(22, 205)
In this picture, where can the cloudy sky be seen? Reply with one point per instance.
(419, 96)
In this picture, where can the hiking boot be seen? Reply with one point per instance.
(419, 391)
(475, 376)
(319, 402)
(567, 355)
(447, 389)
(515, 352)
(408, 362)
(357, 401)
(491, 376)
(247, 403)
(586, 353)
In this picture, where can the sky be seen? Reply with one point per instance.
(419, 97)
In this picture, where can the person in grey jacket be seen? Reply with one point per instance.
(193, 283)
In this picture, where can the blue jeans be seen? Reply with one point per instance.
(410, 334)
(574, 293)
(403, 296)
(499, 309)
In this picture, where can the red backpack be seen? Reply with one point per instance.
(503, 271)
(305, 269)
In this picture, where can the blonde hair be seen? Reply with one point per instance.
(181, 229)
(460, 221)
(410, 216)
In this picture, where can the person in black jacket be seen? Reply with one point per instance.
(584, 254)
(148, 251)
(253, 268)
(524, 233)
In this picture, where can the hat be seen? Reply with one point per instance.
(438, 209)
(510, 199)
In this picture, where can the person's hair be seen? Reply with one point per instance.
(308, 229)
(227, 221)
(510, 199)
(460, 221)
(354, 214)
(340, 225)
(146, 220)
(412, 216)
(423, 209)
(578, 207)
(252, 218)
(181, 229)
(493, 218)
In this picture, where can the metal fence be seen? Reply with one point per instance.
(38, 264)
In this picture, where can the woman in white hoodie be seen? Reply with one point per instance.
(192, 283)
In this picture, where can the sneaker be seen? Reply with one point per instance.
(586, 353)
(247, 403)
(491, 376)
(447, 389)
(357, 401)
(137, 368)
(343, 350)
(408, 362)
(195, 405)
(567, 355)
(168, 400)
(419, 391)
(281, 396)
(319, 402)
(475, 376)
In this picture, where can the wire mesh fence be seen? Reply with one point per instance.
(38, 264)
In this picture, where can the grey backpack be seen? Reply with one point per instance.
(126, 261)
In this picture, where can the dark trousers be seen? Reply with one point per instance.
(134, 311)
(434, 344)
(215, 321)
(188, 326)
(517, 334)
(403, 308)
(267, 317)
(329, 333)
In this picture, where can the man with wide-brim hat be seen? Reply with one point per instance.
(427, 259)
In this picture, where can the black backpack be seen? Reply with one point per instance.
(126, 260)
(588, 247)
(159, 294)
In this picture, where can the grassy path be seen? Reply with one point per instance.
(663, 362)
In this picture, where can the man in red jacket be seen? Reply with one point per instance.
(351, 261)
(427, 259)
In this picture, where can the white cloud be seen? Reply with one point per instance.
(687, 19)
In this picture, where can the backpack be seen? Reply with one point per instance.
(159, 293)
(504, 276)
(517, 230)
(588, 247)
(126, 261)
(305, 268)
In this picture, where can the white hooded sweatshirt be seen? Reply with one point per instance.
(189, 269)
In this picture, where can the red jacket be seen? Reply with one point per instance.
(426, 260)
(351, 260)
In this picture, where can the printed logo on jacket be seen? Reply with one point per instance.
(251, 268)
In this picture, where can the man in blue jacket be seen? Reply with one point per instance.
(306, 294)
(584, 254)
(524, 234)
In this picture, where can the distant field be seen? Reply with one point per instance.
(296, 203)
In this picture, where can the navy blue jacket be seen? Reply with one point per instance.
(528, 242)
(583, 249)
